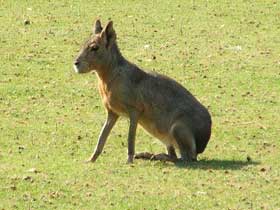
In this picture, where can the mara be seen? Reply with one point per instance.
(162, 106)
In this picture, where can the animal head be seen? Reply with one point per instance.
(96, 52)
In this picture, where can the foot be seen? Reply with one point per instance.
(92, 158)
(163, 157)
(150, 156)
(144, 155)
(130, 159)
(186, 160)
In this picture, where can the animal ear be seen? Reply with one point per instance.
(108, 34)
(97, 28)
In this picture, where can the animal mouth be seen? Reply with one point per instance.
(79, 67)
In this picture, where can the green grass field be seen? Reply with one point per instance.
(227, 53)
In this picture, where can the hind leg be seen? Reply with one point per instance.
(185, 141)
(170, 156)
(171, 152)
(144, 155)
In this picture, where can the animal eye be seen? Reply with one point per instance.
(94, 48)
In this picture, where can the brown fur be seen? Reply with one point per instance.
(159, 104)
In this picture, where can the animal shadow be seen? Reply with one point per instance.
(216, 164)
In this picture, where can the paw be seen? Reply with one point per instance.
(130, 159)
(186, 161)
(162, 157)
(90, 160)
(144, 155)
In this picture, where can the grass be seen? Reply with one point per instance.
(225, 52)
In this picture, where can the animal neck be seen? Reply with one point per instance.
(107, 72)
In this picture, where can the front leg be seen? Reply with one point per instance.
(107, 127)
(133, 117)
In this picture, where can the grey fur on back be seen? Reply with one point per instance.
(171, 100)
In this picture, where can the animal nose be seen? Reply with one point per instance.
(77, 63)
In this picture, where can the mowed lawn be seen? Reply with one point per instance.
(227, 53)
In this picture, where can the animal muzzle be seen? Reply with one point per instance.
(77, 66)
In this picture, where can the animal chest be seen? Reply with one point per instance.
(112, 99)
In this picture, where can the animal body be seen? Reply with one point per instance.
(163, 107)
